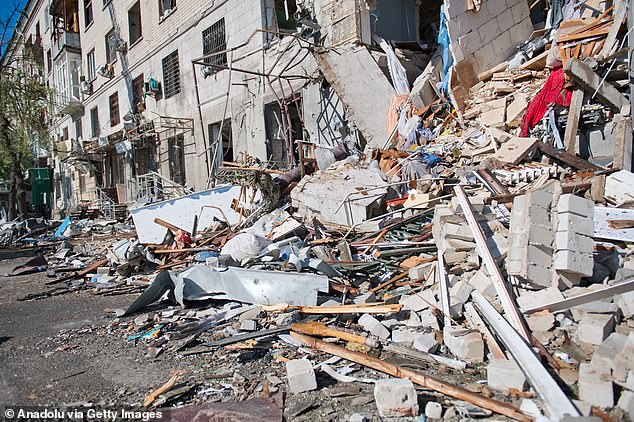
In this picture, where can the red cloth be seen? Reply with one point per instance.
(553, 91)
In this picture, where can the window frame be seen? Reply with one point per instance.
(139, 22)
(110, 51)
(162, 8)
(91, 66)
(95, 126)
(213, 44)
(171, 84)
(87, 7)
(114, 109)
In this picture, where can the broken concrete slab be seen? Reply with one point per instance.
(301, 376)
(395, 397)
(505, 374)
(464, 344)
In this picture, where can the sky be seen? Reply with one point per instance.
(6, 7)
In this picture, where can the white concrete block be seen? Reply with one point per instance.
(539, 297)
(482, 283)
(594, 328)
(572, 222)
(395, 397)
(541, 321)
(505, 374)
(433, 410)
(574, 242)
(418, 301)
(464, 344)
(625, 302)
(374, 326)
(301, 376)
(405, 337)
(574, 262)
(577, 205)
(428, 319)
(365, 298)
(460, 292)
(626, 402)
(426, 343)
(605, 355)
(595, 387)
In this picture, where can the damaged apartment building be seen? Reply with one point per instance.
(154, 95)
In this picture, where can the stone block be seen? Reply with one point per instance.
(595, 387)
(577, 205)
(505, 374)
(433, 410)
(539, 297)
(625, 302)
(405, 337)
(605, 355)
(574, 242)
(301, 376)
(572, 222)
(594, 328)
(460, 292)
(626, 403)
(482, 283)
(541, 236)
(426, 343)
(574, 262)
(541, 321)
(418, 301)
(516, 109)
(464, 344)
(428, 319)
(374, 326)
(505, 20)
(365, 298)
(418, 272)
(395, 397)
(567, 280)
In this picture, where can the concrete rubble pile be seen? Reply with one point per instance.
(484, 254)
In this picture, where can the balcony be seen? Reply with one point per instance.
(66, 40)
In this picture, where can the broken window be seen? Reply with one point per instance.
(166, 7)
(111, 54)
(214, 41)
(88, 17)
(134, 23)
(176, 152)
(114, 109)
(285, 14)
(283, 127)
(95, 128)
(171, 75)
(225, 150)
(138, 100)
(79, 131)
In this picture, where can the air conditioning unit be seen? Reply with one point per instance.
(152, 86)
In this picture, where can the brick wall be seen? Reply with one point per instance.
(480, 40)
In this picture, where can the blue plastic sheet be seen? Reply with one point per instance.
(447, 59)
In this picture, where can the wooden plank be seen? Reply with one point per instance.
(168, 226)
(367, 308)
(619, 18)
(574, 113)
(390, 281)
(488, 74)
(567, 158)
(500, 284)
(588, 79)
(444, 289)
(562, 305)
(556, 401)
(536, 63)
(589, 34)
(416, 377)
(623, 151)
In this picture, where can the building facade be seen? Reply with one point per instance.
(156, 94)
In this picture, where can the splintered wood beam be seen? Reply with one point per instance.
(426, 381)
(574, 113)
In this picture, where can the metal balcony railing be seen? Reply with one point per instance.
(153, 187)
